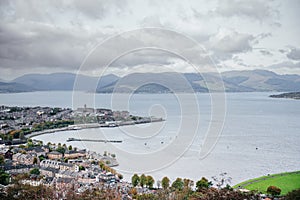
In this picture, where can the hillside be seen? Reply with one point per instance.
(234, 81)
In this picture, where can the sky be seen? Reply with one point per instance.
(58, 36)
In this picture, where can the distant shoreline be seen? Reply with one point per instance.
(289, 95)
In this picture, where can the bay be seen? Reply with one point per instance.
(260, 135)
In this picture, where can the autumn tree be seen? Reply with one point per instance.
(149, 181)
(165, 183)
(273, 190)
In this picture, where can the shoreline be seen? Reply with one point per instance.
(92, 125)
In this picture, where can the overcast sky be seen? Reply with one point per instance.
(55, 36)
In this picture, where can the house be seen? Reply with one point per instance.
(106, 177)
(75, 154)
(49, 163)
(26, 159)
(66, 166)
(48, 171)
(57, 165)
(54, 155)
(66, 174)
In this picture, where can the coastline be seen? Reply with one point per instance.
(93, 125)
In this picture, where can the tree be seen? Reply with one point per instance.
(70, 147)
(2, 159)
(143, 180)
(21, 135)
(273, 190)
(35, 171)
(188, 183)
(293, 195)
(203, 184)
(165, 183)
(4, 177)
(135, 179)
(150, 181)
(60, 149)
(177, 184)
(10, 137)
(120, 176)
(41, 158)
(35, 160)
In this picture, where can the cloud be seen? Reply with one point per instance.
(294, 54)
(285, 64)
(227, 42)
(256, 9)
(265, 52)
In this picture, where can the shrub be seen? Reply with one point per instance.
(273, 190)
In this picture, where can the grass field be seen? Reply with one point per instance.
(285, 181)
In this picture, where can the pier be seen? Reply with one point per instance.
(92, 140)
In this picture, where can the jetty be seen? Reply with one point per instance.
(92, 140)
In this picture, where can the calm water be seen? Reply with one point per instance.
(260, 134)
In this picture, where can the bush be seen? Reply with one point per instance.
(293, 195)
(273, 190)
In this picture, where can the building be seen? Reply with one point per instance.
(26, 159)
(48, 171)
(75, 154)
(54, 155)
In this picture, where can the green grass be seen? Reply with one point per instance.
(285, 181)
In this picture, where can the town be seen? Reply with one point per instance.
(17, 123)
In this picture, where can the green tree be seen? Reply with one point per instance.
(81, 168)
(41, 157)
(4, 177)
(135, 179)
(273, 190)
(178, 184)
(35, 171)
(21, 135)
(143, 180)
(35, 160)
(2, 159)
(203, 183)
(10, 137)
(149, 181)
(70, 147)
(165, 183)
(60, 149)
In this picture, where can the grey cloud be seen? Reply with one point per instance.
(230, 41)
(285, 64)
(255, 9)
(265, 52)
(294, 54)
(34, 44)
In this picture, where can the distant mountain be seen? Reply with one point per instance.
(63, 81)
(234, 81)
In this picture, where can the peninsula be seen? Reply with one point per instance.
(290, 95)
(17, 123)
